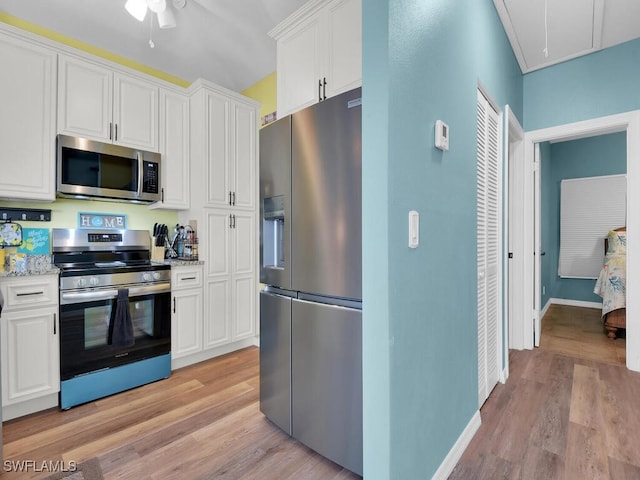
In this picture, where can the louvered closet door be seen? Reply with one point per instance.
(488, 233)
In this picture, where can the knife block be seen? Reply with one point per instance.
(157, 253)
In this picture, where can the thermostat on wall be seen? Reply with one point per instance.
(442, 135)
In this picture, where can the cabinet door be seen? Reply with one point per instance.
(186, 323)
(174, 127)
(217, 159)
(85, 98)
(27, 120)
(217, 319)
(135, 113)
(245, 285)
(244, 168)
(244, 306)
(244, 243)
(218, 256)
(300, 66)
(30, 355)
(343, 46)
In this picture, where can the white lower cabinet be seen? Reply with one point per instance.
(186, 312)
(231, 276)
(30, 345)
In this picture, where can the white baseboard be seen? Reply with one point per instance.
(575, 303)
(451, 460)
(201, 356)
(27, 407)
(504, 375)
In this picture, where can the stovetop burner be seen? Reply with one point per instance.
(104, 254)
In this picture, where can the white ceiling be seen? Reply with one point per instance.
(573, 28)
(226, 41)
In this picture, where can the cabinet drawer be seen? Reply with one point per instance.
(29, 292)
(182, 278)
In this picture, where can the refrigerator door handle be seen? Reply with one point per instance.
(279, 292)
(331, 301)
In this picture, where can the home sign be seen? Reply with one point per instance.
(109, 221)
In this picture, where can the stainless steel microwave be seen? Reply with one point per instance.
(86, 168)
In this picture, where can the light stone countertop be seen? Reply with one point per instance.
(174, 262)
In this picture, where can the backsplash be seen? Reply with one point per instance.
(64, 214)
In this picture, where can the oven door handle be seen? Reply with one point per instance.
(67, 298)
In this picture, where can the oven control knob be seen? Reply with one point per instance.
(156, 275)
(94, 281)
(82, 282)
(146, 277)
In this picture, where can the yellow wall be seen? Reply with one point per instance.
(265, 92)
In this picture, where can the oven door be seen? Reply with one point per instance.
(84, 328)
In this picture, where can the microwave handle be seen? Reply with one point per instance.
(140, 172)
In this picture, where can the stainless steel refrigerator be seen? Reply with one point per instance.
(311, 264)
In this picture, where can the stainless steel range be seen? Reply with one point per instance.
(115, 319)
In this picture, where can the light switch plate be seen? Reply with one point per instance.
(442, 135)
(414, 229)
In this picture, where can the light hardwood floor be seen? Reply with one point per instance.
(579, 332)
(203, 422)
(569, 409)
(559, 416)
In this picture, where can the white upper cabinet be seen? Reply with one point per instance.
(243, 168)
(97, 103)
(174, 147)
(27, 120)
(224, 142)
(319, 53)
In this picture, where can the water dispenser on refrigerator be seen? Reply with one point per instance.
(273, 233)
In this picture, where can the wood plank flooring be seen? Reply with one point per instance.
(558, 417)
(561, 416)
(579, 332)
(203, 422)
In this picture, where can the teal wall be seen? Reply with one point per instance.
(421, 62)
(596, 85)
(588, 157)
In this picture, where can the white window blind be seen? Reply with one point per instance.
(589, 208)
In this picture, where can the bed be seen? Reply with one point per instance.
(611, 283)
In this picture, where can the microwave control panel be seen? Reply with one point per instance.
(150, 177)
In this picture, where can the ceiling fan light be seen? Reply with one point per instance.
(157, 6)
(166, 19)
(137, 8)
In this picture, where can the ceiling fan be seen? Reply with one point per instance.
(138, 9)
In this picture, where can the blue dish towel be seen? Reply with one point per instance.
(120, 324)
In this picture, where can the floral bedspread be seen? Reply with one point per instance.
(611, 283)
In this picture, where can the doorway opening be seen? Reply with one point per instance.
(526, 318)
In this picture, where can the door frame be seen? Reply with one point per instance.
(624, 122)
(512, 236)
